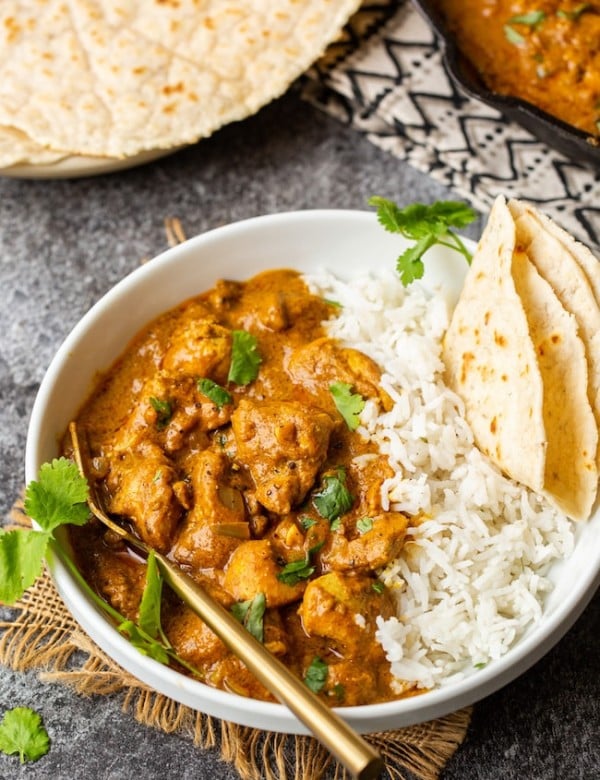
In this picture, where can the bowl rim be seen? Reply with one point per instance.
(259, 714)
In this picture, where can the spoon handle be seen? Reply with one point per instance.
(351, 750)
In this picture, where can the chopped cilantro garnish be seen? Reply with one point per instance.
(364, 524)
(251, 614)
(348, 404)
(427, 226)
(378, 586)
(574, 15)
(531, 19)
(307, 522)
(214, 392)
(245, 358)
(316, 675)
(164, 411)
(295, 571)
(512, 36)
(339, 691)
(22, 732)
(334, 499)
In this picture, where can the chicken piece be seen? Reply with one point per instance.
(140, 484)
(369, 551)
(324, 361)
(283, 443)
(200, 348)
(217, 522)
(252, 569)
(344, 608)
(171, 407)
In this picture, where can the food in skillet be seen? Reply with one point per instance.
(547, 53)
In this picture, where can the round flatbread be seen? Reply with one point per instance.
(570, 283)
(570, 473)
(116, 77)
(491, 361)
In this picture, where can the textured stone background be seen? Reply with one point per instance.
(62, 245)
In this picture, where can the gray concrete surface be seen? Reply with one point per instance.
(62, 245)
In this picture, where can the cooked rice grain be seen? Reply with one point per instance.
(473, 574)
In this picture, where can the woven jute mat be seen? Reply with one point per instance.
(42, 635)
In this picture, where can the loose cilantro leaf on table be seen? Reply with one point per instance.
(214, 392)
(251, 613)
(348, 404)
(427, 226)
(334, 499)
(22, 732)
(245, 358)
(316, 675)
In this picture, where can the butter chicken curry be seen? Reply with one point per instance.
(547, 52)
(216, 436)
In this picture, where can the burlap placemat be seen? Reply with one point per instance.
(42, 635)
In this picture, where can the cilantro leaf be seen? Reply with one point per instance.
(149, 609)
(512, 36)
(348, 404)
(251, 613)
(316, 675)
(295, 571)
(427, 225)
(164, 411)
(531, 19)
(21, 554)
(59, 496)
(214, 392)
(144, 643)
(574, 15)
(306, 521)
(22, 732)
(245, 358)
(334, 499)
(364, 524)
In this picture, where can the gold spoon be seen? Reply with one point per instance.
(350, 749)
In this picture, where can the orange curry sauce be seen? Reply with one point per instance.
(227, 490)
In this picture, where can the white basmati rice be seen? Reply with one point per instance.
(472, 577)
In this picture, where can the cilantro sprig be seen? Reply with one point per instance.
(59, 497)
(427, 225)
(22, 732)
(348, 404)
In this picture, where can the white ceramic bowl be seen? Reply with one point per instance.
(346, 242)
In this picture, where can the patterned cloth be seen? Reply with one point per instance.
(387, 79)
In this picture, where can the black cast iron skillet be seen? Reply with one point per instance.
(573, 143)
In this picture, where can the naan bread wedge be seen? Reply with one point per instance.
(570, 474)
(491, 361)
(569, 282)
(113, 78)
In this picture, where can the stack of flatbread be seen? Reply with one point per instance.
(523, 351)
(114, 78)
